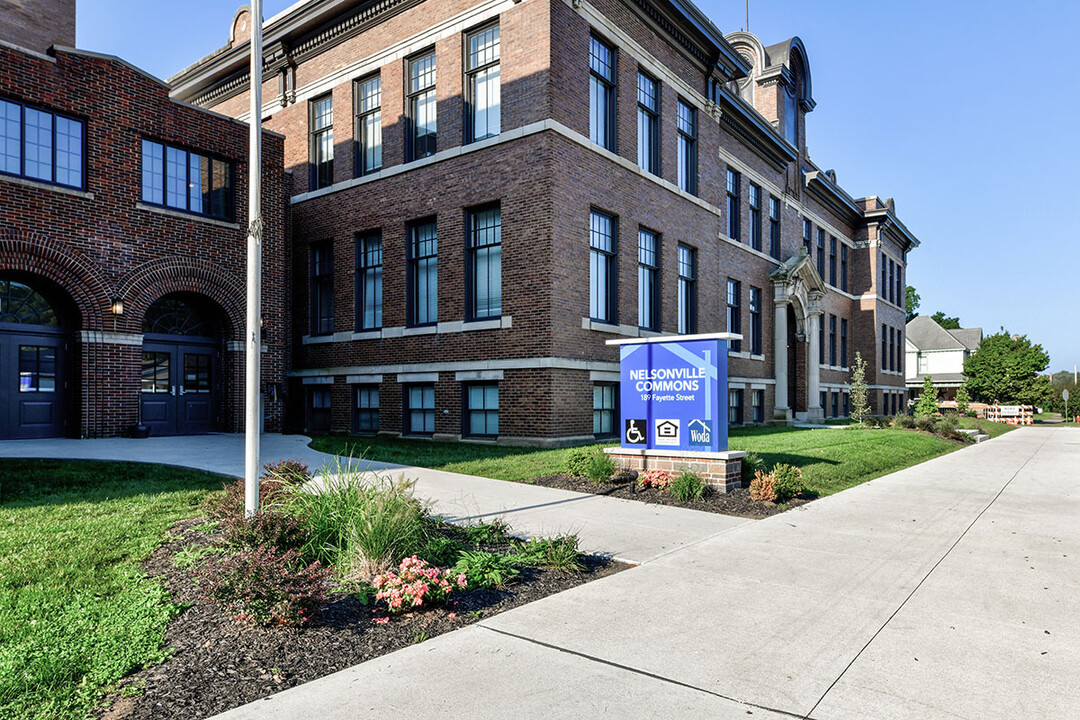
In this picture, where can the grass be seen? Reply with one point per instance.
(831, 459)
(991, 428)
(77, 612)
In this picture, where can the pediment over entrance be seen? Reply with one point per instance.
(798, 283)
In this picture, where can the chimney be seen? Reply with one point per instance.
(38, 24)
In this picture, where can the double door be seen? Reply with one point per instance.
(179, 387)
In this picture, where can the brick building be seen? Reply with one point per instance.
(486, 192)
(122, 251)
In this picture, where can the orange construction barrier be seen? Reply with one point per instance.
(1011, 414)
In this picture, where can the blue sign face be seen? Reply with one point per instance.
(672, 395)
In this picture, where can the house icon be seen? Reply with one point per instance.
(666, 432)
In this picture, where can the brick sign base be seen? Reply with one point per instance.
(721, 470)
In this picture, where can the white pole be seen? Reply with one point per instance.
(252, 364)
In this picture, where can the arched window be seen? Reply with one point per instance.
(23, 305)
(791, 101)
(172, 315)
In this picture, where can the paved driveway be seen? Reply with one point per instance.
(948, 590)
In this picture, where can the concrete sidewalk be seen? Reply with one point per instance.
(947, 590)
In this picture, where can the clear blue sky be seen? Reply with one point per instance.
(964, 111)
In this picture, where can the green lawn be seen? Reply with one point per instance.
(76, 611)
(991, 428)
(831, 459)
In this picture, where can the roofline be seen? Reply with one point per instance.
(888, 218)
(701, 22)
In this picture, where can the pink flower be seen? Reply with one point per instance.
(452, 615)
(382, 620)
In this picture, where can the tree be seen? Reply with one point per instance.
(911, 302)
(928, 401)
(1005, 369)
(962, 400)
(949, 323)
(860, 410)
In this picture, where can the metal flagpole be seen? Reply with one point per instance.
(252, 364)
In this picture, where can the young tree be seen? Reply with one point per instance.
(860, 410)
(962, 400)
(911, 303)
(1005, 369)
(928, 401)
(949, 323)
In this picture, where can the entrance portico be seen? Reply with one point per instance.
(798, 290)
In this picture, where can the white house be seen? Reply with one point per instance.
(932, 350)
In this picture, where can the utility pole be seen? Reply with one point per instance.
(253, 358)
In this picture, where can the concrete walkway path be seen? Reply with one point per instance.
(947, 590)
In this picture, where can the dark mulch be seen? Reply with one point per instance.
(737, 502)
(218, 664)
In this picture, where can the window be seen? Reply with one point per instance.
(369, 274)
(847, 404)
(774, 227)
(755, 216)
(484, 248)
(648, 280)
(835, 404)
(419, 409)
(791, 116)
(423, 260)
(602, 93)
(924, 364)
(368, 129)
(733, 210)
(155, 372)
(883, 286)
(892, 349)
(757, 402)
(832, 341)
(186, 181)
(823, 401)
(821, 339)
(42, 145)
(843, 267)
(604, 409)
(884, 347)
(832, 261)
(892, 285)
(322, 142)
(843, 343)
(807, 235)
(648, 118)
(482, 84)
(686, 124)
(735, 413)
(734, 314)
(37, 368)
(322, 289)
(899, 351)
(755, 321)
(22, 304)
(821, 253)
(366, 409)
(482, 410)
(421, 106)
(899, 285)
(602, 245)
(687, 290)
(320, 403)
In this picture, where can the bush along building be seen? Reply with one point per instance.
(122, 249)
(484, 193)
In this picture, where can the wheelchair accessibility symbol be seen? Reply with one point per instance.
(635, 432)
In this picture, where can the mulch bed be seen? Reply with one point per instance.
(737, 502)
(218, 664)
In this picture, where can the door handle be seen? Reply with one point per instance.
(181, 391)
(172, 390)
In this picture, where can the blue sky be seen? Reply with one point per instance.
(962, 111)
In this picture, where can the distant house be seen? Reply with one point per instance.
(932, 350)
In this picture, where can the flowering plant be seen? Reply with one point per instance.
(415, 583)
(655, 478)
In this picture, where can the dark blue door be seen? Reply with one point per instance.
(179, 387)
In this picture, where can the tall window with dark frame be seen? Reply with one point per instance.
(42, 145)
(899, 284)
(733, 208)
(821, 253)
(419, 409)
(602, 266)
(832, 261)
(483, 116)
(774, 228)
(321, 142)
(423, 126)
(686, 125)
(602, 93)
(883, 289)
(423, 260)
(648, 119)
(484, 248)
(734, 312)
(604, 409)
(884, 347)
(843, 267)
(687, 290)
(322, 288)
(735, 409)
(755, 216)
(755, 321)
(367, 132)
(482, 410)
(182, 180)
(892, 277)
(757, 402)
(843, 343)
(366, 409)
(832, 341)
(899, 351)
(369, 277)
(648, 280)
(807, 235)
(892, 349)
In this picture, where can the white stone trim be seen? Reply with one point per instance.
(186, 216)
(418, 377)
(241, 346)
(363, 379)
(444, 328)
(110, 338)
(604, 376)
(702, 454)
(753, 381)
(540, 363)
(38, 185)
(478, 375)
(657, 338)
(318, 381)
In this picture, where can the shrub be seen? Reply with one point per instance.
(788, 482)
(262, 586)
(928, 401)
(763, 487)
(416, 583)
(441, 550)
(495, 532)
(687, 486)
(601, 467)
(590, 462)
(577, 461)
(293, 472)
(485, 569)
(926, 423)
(659, 479)
(751, 464)
(268, 528)
(904, 421)
(229, 505)
(559, 553)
